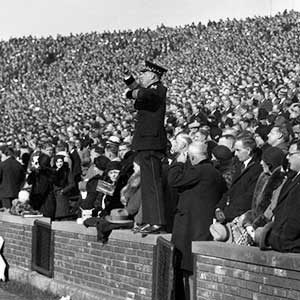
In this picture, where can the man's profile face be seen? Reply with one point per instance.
(241, 152)
(294, 158)
(273, 136)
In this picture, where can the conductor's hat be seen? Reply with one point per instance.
(152, 67)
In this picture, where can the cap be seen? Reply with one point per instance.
(273, 157)
(222, 153)
(113, 165)
(152, 67)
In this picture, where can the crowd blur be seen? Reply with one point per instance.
(233, 109)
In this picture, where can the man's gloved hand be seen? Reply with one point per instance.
(220, 216)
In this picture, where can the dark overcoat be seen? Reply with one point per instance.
(285, 233)
(200, 187)
(12, 177)
(149, 131)
(41, 181)
(150, 142)
(238, 199)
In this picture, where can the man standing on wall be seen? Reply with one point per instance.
(150, 140)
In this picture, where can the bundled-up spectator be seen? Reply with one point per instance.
(241, 230)
(283, 233)
(41, 181)
(222, 158)
(63, 186)
(12, 176)
(200, 187)
(131, 198)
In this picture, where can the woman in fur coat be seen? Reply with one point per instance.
(131, 194)
(63, 185)
(241, 230)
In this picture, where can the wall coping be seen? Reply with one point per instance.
(247, 254)
(73, 227)
(117, 234)
(9, 218)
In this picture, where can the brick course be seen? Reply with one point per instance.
(225, 271)
(120, 268)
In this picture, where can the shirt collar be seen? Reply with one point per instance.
(246, 162)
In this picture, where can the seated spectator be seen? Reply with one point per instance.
(238, 198)
(283, 233)
(96, 169)
(222, 159)
(242, 229)
(100, 191)
(131, 196)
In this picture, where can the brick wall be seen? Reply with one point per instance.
(120, 269)
(83, 267)
(224, 271)
(17, 234)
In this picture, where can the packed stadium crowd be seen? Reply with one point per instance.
(232, 108)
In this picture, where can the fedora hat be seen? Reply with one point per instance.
(261, 236)
(220, 232)
(119, 216)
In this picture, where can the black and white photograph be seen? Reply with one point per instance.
(149, 150)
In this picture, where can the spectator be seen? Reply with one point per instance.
(222, 158)
(283, 233)
(238, 198)
(279, 137)
(63, 186)
(41, 181)
(150, 141)
(12, 177)
(201, 187)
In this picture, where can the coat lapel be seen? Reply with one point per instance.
(290, 186)
(243, 171)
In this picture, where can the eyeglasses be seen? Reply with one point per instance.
(292, 153)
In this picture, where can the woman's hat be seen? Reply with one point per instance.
(119, 216)
(262, 234)
(273, 157)
(113, 165)
(222, 153)
(101, 162)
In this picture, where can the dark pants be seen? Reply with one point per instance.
(151, 187)
(181, 287)
(6, 202)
